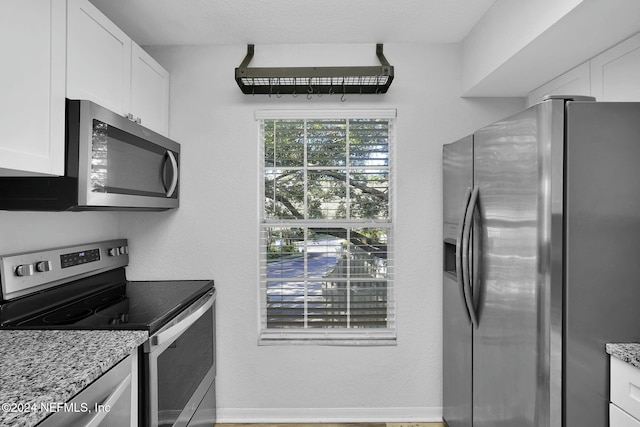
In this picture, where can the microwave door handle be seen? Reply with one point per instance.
(176, 330)
(171, 162)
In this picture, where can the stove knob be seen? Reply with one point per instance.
(24, 270)
(43, 266)
(114, 252)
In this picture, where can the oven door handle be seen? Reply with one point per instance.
(170, 334)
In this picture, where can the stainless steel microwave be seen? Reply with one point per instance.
(112, 163)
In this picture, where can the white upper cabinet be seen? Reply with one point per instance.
(32, 81)
(610, 76)
(98, 58)
(573, 82)
(615, 73)
(105, 66)
(149, 91)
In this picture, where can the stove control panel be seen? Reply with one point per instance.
(77, 258)
(25, 273)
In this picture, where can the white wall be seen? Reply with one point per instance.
(507, 28)
(519, 45)
(214, 232)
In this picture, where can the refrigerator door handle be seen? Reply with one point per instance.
(466, 237)
(459, 263)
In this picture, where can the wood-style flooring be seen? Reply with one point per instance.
(334, 425)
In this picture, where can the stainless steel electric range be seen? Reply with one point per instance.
(85, 287)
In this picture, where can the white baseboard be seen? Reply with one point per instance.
(328, 415)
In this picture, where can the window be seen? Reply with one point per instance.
(326, 227)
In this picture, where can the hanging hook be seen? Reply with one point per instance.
(310, 89)
(344, 92)
(270, 88)
(278, 92)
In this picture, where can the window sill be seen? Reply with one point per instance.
(382, 337)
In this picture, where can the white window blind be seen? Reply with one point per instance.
(326, 227)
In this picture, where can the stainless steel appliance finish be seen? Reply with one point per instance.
(513, 277)
(112, 163)
(458, 180)
(171, 359)
(84, 287)
(26, 273)
(122, 164)
(601, 265)
(547, 252)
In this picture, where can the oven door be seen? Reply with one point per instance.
(121, 164)
(181, 367)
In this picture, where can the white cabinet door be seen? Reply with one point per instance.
(105, 66)
(110, 401)
(573, 82)
(98, 58)
(619, 418)
(32, 80)
(614, 73)
(625, 386)
(149, 91)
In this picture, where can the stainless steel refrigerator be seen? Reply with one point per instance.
(541, 264)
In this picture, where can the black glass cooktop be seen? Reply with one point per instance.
(103, 301)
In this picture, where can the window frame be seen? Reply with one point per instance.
(327, 336)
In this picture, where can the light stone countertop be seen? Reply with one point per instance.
(627, 352)
(43, 367)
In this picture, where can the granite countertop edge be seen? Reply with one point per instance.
(48, 367)
(627, 352)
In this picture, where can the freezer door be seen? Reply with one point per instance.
(516, 163)
(457, 181)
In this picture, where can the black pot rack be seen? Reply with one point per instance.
(314, 80)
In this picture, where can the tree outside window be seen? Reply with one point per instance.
(326, 225)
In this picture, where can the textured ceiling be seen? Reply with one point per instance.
(170, 22)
